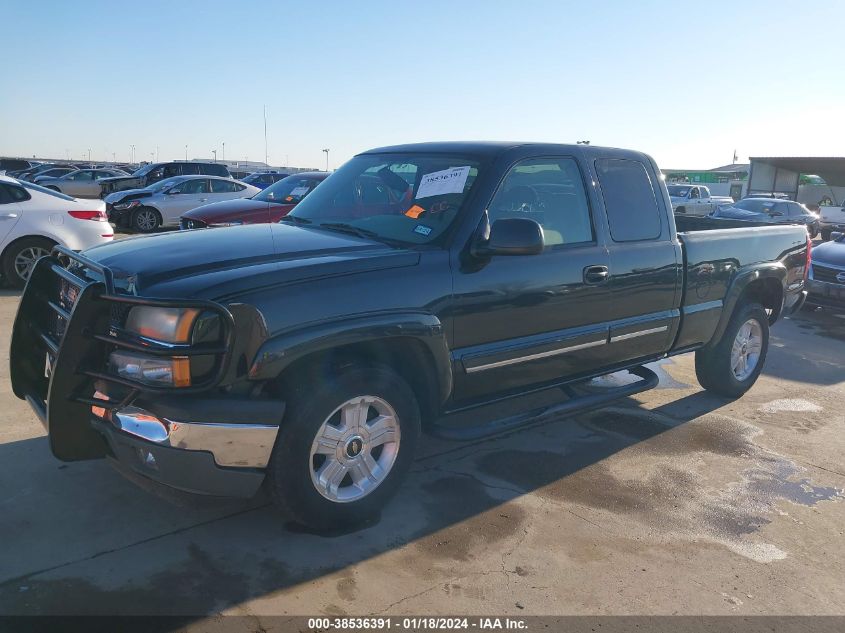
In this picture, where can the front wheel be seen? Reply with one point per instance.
(813, 232)
(146, 220)
(345, 444)
(732, 366)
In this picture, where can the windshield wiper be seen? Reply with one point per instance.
(295, 219)
(342, 227)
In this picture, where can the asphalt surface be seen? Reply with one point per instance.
(673, 502)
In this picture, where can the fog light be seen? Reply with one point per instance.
(152, 370)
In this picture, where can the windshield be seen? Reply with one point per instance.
(167, 183)
(143, 171)
(410, 198)
(678, 191)
(290, 190)
(39, 189)
(758, 206)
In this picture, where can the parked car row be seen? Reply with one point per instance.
(161, 204)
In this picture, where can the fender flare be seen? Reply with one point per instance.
(746, 276)
(278, 352)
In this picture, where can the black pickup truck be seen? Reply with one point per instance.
(415, 283)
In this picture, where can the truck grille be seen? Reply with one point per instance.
(828, 274)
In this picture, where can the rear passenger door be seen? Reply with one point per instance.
(645, 261)
(527, 320)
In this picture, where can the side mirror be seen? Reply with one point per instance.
(512, 236)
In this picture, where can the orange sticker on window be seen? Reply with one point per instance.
(415, 211)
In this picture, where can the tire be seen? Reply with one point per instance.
(20, 256)
(715, 365)
(298, 479)
(825, 235)
(145, 220)
(813, 232)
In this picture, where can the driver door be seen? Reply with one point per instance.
(182, 198)
(526, 320)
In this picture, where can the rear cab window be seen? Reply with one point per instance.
(629, 199)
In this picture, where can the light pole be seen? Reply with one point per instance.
(186, 151)
(114, 157)
(224, 152)
(131, 154)
(326, 150)
(214, 151)
(89, 155)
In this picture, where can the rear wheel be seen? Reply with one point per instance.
(732, 366)
(344, 446)
(146, 220)
(20, 258)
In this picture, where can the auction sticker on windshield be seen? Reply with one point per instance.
(437, 183)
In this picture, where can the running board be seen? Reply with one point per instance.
(577, 403)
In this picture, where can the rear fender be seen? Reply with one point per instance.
(279, 352)
(738, 287)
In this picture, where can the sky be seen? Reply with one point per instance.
(687, 82)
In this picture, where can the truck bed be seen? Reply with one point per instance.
(716, 252)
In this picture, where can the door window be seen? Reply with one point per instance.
(82, 176)
(629, 200)
(222, 186)
(549, 191)
(693, 193)
(199, 185)
(172, 170)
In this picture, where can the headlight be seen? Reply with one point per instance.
(152, 370)
(168, 325)
(219, 224)
(127, 205)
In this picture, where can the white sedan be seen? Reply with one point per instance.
(34, 219)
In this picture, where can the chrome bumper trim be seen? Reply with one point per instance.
(242, 445)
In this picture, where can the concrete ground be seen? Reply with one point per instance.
(675, 502)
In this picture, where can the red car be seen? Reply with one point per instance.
(270, 205)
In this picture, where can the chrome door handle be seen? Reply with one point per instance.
(596, 274)
(8, 216)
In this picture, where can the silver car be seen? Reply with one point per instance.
(81, 183)
(161, 204)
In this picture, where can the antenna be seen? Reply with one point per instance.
(266, 155)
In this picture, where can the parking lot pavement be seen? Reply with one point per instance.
(675, 502)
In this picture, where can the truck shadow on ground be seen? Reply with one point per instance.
(79, 539)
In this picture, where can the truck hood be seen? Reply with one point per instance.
(829, 253)
(222, 263)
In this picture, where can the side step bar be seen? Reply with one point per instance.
(577, 403)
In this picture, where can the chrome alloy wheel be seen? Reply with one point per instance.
(146, 220)
(745, 353)
(355, 449)
(25, 260)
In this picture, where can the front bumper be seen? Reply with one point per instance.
(826, 294)
(197, 438)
